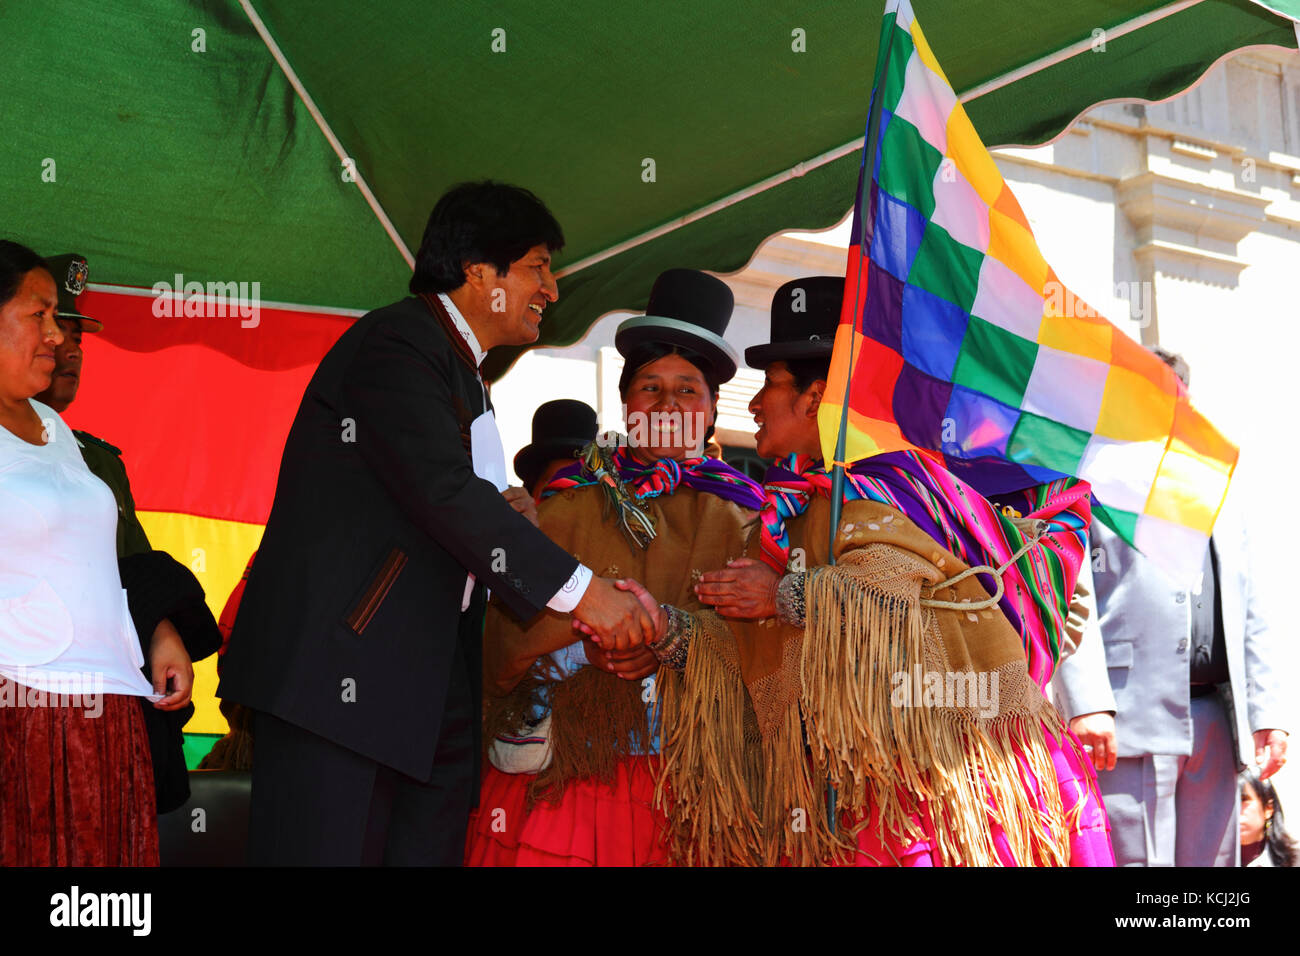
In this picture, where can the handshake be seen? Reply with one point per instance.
(616, 615)
(744, 589)
(619, 615)
(620, 620)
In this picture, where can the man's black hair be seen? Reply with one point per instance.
(480, 222)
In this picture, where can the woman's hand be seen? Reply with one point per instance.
(522, 502)
(636, 662)
(169, 661)
(745, 588)
(632, 664)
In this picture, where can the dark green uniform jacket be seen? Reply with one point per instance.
(157, 587)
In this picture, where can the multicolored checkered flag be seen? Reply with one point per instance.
(957, 336)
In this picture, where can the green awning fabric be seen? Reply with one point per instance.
(179, 145)
(1287, 8)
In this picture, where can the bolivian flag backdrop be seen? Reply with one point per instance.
(200, 406)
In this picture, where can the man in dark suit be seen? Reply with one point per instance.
(358, 639)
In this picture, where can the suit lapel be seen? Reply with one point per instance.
(469, 397)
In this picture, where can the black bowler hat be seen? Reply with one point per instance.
(805, 315)
(70, 274)
(560, 428)
(690, 309)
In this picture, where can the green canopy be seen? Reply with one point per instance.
(210, 140)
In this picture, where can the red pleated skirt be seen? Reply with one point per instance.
(594, 824)
(76, 789)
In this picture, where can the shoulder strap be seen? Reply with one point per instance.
(90, 439)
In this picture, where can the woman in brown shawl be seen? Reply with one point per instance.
(572, 733)
(908, 652)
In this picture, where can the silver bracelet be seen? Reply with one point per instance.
(673, 648)
(790, 604)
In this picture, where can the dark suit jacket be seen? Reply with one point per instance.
(350, 617)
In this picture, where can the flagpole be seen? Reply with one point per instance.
(866, 232)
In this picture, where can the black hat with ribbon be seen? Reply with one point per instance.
(70, 274)
(687, 308)
(805, 315)
(560, 429)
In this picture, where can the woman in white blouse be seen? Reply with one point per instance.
(76, 785)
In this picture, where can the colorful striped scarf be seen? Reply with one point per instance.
(1038, 586)
(664, 476)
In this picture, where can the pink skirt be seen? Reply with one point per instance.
(1076, 782)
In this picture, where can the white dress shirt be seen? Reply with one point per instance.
(485, 431)
(63, 613)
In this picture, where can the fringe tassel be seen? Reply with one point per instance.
(858, 635)
(709, 780)
(596, 720)
(736, 796)
(959, 773)
(795, 825)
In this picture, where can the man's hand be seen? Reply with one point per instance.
(1274, 743)
(616, 619)
(522, 502)
(633, 664)
(745, 588)
(1098, 732)
(650, 605)
(168, 660)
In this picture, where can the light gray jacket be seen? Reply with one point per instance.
(1138, 665)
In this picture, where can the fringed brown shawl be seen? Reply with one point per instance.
(738, 783)
(597, 718)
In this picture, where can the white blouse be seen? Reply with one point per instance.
(64, 622)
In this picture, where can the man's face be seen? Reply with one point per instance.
(67, 368)
(29, 336)
(515, 300)
(786, 417)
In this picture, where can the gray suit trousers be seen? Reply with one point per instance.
(1171, 810)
